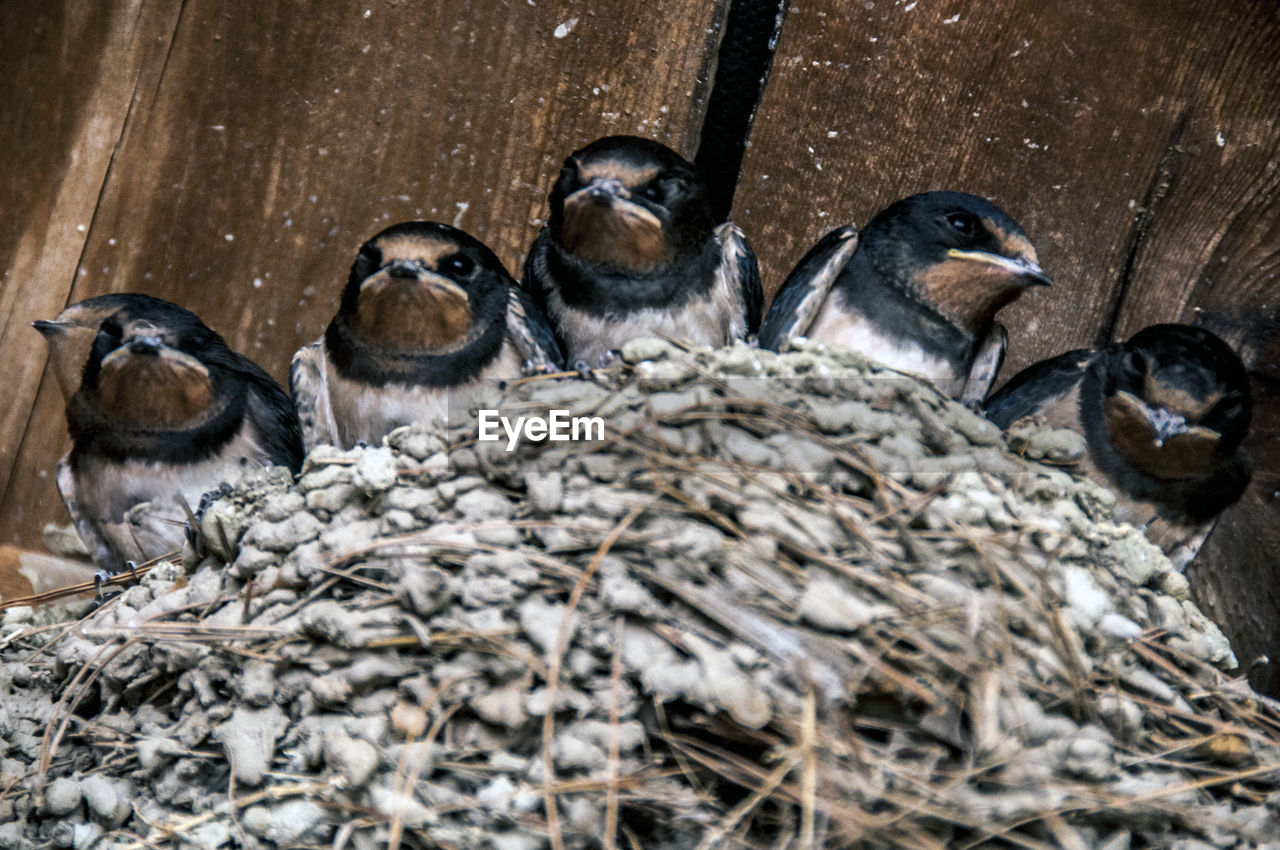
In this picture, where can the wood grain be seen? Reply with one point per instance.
(277, 138)
(1073, 117)
(73, 74)
(1213, 242)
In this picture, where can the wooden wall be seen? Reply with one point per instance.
(1135, 140)
(232, 157)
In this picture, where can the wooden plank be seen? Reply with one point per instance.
(74, 69)
(1062, 112)
(280, 137)
(1213, 241)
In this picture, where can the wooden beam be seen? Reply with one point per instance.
(74, 72)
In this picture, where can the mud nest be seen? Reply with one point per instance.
(789, 601)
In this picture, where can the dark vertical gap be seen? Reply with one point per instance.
(742, 67)
(1166, 170)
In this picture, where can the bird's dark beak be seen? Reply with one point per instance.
(405, 269)
(1033, 274)
(48, 328)
(1019, 267)
(443, 284)
(149, 345)
(413, 271)
(1162, 425)
(611, 192)
(604, 190)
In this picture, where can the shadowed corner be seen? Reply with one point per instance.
(1235, 578)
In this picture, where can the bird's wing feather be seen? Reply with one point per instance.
(94, 540)
(1180, 542)
(739, 275)
(986, 365)
(273, 410)
(532, 280)
(531, 333)
(310, 391)
(1038, 384)
(797, 302)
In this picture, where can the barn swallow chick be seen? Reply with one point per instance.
(917, 290)
(631, 249)
(428, 315)
(71, 335)
(1163, 416)
(161, 412)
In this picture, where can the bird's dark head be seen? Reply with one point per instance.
(72, 333)
(1177, 400)
(154, 365)
(961, 254)
(629, 204)
(420, 286)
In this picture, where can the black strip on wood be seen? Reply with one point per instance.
(1161, 181)
(742, 68)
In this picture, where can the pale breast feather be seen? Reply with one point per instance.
(364, 413)
(701, 321)
(851, 329)
(136, 509)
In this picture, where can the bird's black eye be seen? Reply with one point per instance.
(1134, 371)
(111, 327)
(459, 264)
(963, 223)
(653, 192)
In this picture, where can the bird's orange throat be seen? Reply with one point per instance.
(621, 234)
(411, 315)
(164, 390)
(1180, 456)
(968, 293)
